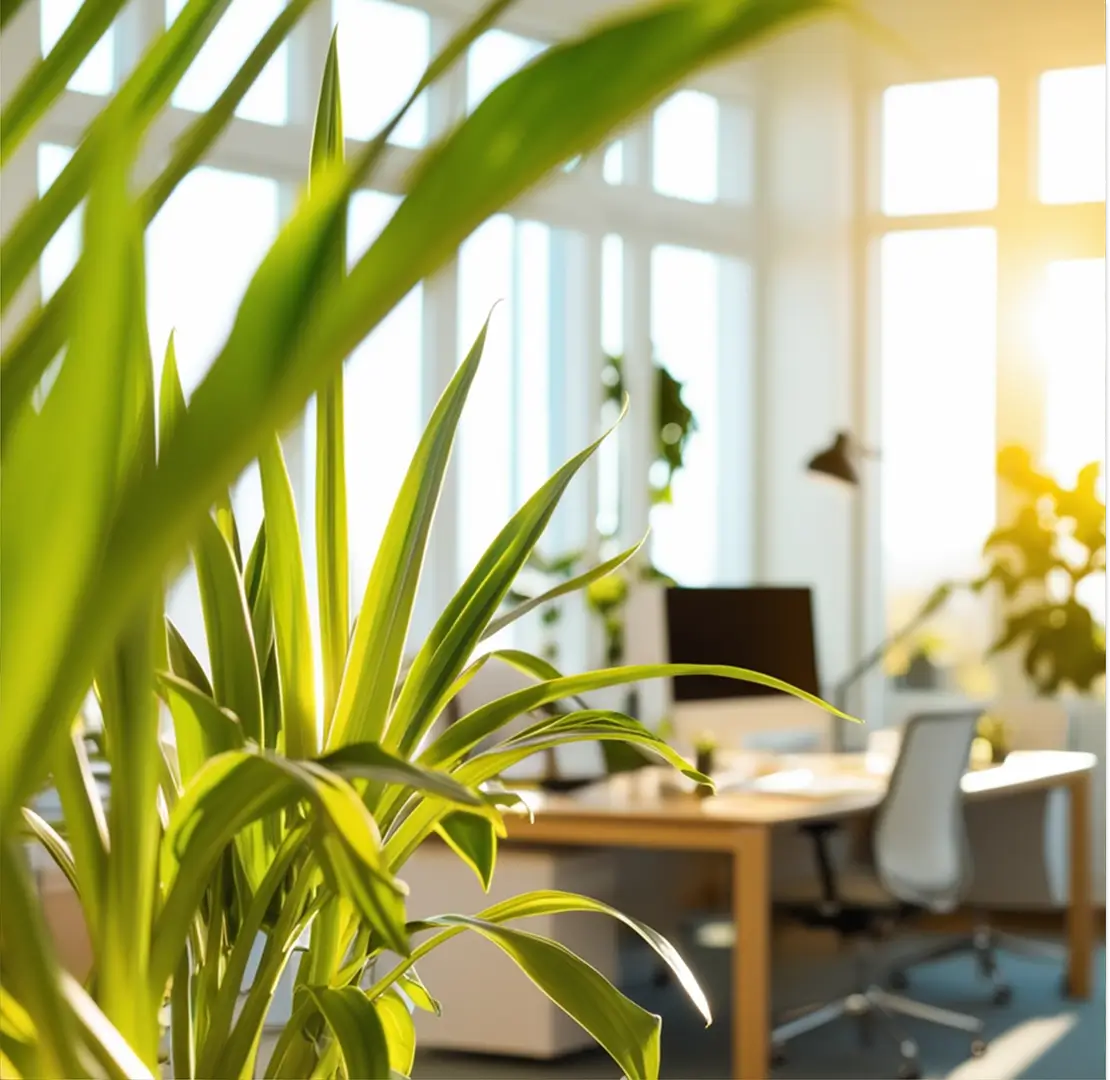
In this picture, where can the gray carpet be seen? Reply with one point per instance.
(1039, 1036)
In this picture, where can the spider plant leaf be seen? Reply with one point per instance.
(374, 661)
(331, 472)
(47, 79)
(357, 1028)
(580, 581)
(474, 840)
(289, 598)
(235, 676)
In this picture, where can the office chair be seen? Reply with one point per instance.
(919, 863)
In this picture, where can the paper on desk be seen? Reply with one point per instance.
(809, 784)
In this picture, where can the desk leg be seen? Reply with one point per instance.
(751, 957)
(1080, 919)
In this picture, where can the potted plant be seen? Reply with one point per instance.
(275, 815)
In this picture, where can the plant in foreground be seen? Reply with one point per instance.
(269, 817)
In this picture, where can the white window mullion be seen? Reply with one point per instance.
(637, 436)
(736, 401)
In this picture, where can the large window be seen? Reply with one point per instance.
(575, 273)
(948, 285)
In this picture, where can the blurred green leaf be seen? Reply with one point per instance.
(47, 79)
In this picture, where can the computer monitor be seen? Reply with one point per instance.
(765, 629)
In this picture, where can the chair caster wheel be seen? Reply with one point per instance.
(909, 1070)
(978, 1048)
(1003, 995)
(899, 980)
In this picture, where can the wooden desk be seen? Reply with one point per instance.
(634, 810)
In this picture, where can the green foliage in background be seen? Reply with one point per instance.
(1056, 541)
(675, 423)
(279, 809)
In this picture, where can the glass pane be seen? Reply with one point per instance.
(195, 278)
(531, 314)
(486, 436)
(937, 472)
(685, 335)
(612, 165)
(96, 75)
(505, 439)
(1073, 344)
(237, 33)
(493, 58)
(612, 344)
(1074, 349)
(60, 254)
(940, 147)
(383, 51)
(381, 402)
(1072, 151)
(684, 146)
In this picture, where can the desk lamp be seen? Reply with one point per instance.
(836, 463)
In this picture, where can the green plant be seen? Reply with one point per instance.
(605, 595)
(271, 817)
(1055, 543)
(674, 422)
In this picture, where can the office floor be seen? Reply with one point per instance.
(1040, 1036)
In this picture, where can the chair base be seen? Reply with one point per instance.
(875, 1003)
(984, 944)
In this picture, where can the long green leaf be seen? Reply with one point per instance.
(31, 971)
(459, 629)
(476, 726)
(135, 105)
(55, 846)
(202, 727)
(590, 725)
(182, 661)
(629, 1033)
(474, 840)
(223, 1008)
(171, 398)
(291, 336)
(399, 1030)
(48, 78)
(551, 902)
(374, 662)
(86, 824)
(107, 1046)
(235, 676)
(60, 474)
(580, 581)
(237, 1056)
(331, 471)
(237, 788)
(370, 761)
(357, 1028)
(131, 726)
(289, 595)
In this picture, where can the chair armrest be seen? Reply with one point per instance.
(819, 832)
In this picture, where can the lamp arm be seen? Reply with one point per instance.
(937, 598)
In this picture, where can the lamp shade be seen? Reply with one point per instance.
(835, 462)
